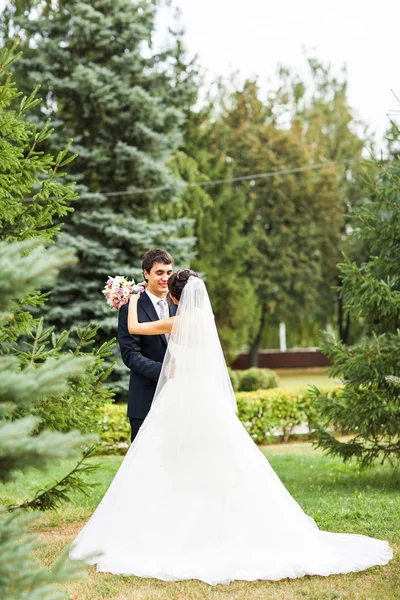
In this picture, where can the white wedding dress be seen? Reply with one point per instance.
(195, 498)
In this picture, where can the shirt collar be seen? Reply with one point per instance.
(155, 299)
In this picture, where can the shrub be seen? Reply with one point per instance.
(235, 378)
(114, 429)
(266, 412)
(257, 379)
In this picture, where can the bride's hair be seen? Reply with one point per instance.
(178, 280)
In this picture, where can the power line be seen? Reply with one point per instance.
(184, 185)
(219, 181)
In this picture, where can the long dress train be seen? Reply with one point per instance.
(194, 498)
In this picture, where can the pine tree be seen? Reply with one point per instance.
(21, 574)
(37, 378)
(369, 405)
(118, 99)
(27, 172)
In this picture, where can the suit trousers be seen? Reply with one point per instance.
(135, 426)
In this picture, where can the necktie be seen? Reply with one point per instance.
(164, 314)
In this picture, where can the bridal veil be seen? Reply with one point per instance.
(194, 357)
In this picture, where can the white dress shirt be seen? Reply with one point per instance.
(156, 303)
(155, 300)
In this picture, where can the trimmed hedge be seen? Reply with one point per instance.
(264, 413)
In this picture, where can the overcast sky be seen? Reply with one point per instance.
(253, 36)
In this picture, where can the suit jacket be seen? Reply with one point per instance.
(143, 355)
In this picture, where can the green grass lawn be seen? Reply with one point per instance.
(301, 378)
(339, 497)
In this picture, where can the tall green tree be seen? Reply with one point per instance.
(279, 237)
(222, 248)
(22, 576)
(332, 132)
(298, 221)
(291, 216)
(119, 100)
(26, 266)
(27, 171)
(219, 211)
(369, 404)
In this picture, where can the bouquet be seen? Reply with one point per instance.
(118, 290)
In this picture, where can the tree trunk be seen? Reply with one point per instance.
(253, 351)
(344, 323)
(256, 343)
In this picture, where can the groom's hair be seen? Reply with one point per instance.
(155, 255)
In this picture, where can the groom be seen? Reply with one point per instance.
(144, 354)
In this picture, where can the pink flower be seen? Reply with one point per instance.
(117, 291)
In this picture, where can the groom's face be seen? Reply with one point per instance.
(157, 278)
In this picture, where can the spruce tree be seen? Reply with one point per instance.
(36, 379)
(24, 267)
(33, 193)
(369, 404)
(106, 88)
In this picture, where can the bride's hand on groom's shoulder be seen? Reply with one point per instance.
(137, 293)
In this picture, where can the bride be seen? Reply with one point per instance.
(194, 498)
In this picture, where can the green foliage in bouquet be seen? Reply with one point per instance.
(369, 404)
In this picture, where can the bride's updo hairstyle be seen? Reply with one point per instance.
(178, 280)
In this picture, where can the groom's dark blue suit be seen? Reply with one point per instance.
(143, 355)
